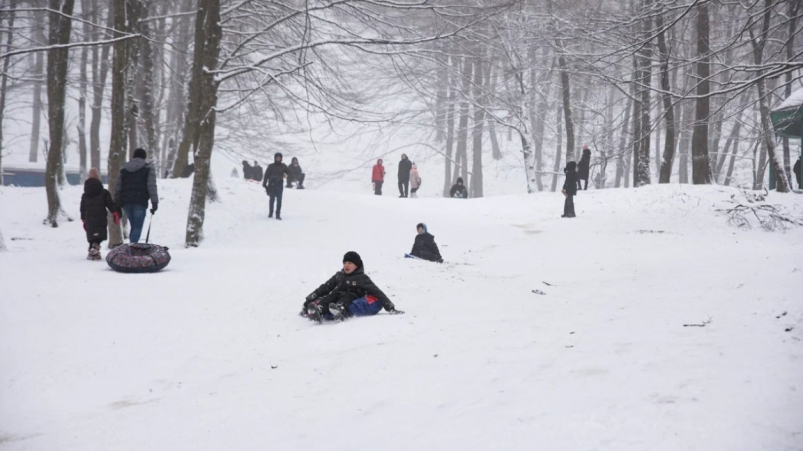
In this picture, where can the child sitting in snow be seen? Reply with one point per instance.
(424, 245)
(335, 298)
(94, 203)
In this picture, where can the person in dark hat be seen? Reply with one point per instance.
(458, 190)
(94, 204)
(333, 298)
(570, 189)
(256, 172)
(584, 167)
(136, 185)
(274, 184)
(424, 246)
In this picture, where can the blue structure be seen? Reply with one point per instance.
(27, 177)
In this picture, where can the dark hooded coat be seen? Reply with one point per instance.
(94, 203)
(353, 286)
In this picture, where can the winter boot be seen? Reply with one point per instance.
(300, 187)
(279, 216)
(338, 311)
(270, 214)
(315, 313)
(94, 252)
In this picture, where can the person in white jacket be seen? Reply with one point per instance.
(415, 181)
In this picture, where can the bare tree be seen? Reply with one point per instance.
(701, 168)
(57, 60)
(4, 88)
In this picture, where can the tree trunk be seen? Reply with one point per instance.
(537, 115)
(39, 62)
(208, 34)
(2, 243)
(57, 60)
(4, 89)
(462, 127)
(491, 89)
(669, 108)
(620, 169)
(447, 164)
(641, 162)
(701, 167)
(479, 126)
(134, 12)
(117, 145)
(177, 106)
(794, 8)
(567, 107)
(100, 68)
(735, 148)
(147, 104)
(768, 135)
(82, 150)
(558, 150)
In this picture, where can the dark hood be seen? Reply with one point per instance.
(135, 165)
(93, 187)
(571, 166)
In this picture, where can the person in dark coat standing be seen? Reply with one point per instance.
(424, 245)
(405, 166)
(295, 174)
(248, 171)
(257, 173)
(584, 167)
(274, 184)
(346, 286)
(135, 186)
(798, 176)
(570, 189)
(95, 201)
(378, 177)
(458, 190)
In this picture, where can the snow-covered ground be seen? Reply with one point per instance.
(210, 354)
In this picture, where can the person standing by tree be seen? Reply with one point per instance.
(378, 177)
(405, 166)
(583, 168)
(798, 176)
(135, 185)
(274, 184)
(570, 189)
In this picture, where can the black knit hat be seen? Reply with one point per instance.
(140, 153)
(278, 154)
(353, 257)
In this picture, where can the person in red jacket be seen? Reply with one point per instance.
(378, 177)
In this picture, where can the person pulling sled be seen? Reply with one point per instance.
(350, 292)
(424, 246)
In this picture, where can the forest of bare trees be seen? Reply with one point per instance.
(662, 91)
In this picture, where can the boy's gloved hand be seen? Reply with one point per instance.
(396, 312)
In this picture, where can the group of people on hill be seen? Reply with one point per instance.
(409, 180)
(136, 185)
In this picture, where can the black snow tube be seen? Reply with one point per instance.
(138, 258)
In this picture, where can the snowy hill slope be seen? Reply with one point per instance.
(210, 354)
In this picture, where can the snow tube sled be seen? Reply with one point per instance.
(364, 306)
(138, 258)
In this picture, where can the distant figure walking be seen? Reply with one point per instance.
(584, 167)
(458, 190)
(135, 186)
(797, 173)
(295, 174)
(274, 184)
(570, 189)
(248, 171)
(94, 203)
(378, 177)
(405, 166)
(415, 181)
(257, 172)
